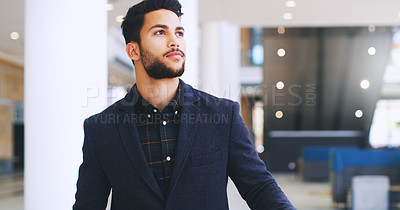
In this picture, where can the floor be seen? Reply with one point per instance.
(12, 191)
(303, 195)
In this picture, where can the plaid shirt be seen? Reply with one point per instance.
(158, 132)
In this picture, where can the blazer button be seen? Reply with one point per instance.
(168, 158)
(164, 122)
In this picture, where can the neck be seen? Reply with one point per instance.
(158, 92)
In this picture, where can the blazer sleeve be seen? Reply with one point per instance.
(255, 184)
(93, 187)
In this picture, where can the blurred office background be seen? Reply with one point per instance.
(315, 79)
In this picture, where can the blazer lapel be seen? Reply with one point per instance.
(130, 140)
(187, 130)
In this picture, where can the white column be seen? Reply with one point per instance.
(65, 81)
(230, 60)
(220, 59)
(190, 21)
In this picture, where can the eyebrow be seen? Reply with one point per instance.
(166, 27)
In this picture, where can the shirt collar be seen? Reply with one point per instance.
(143, 106)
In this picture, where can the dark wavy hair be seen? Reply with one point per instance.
(133, 21)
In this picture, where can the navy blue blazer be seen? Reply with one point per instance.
(213, 143)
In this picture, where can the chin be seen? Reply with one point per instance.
(177, 67)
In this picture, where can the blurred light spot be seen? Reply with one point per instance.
(371, 50)
(281, 30)
(109, 7)
(260, 148)
(371, 28)
(119, 18)
(281, 52)
(280, 85)
(279, 114)
(258, 54)
(292, 165)
(14, 35)
(364, 84)
(359, 113)
(290, 4)
(287, 16)
(249, 90)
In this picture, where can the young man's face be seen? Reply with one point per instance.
(162, 47)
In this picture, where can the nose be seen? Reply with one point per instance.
(173, 44)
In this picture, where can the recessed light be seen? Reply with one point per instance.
(281, 52)
(109, 7)
(371, 28)
(371, 50)
(280, 85)
(260, 149)
(14, 35)
(359, 113)
(364, 84)
(290, 4)
(287, 16)
(281, 30)
(279, 114)
(119, 18)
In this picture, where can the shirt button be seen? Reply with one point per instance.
(176, 112)
(148, 115)
(164, 122)
(168, 158)
(155, 110)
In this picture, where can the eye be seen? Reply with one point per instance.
(180, 33)
(161, 32)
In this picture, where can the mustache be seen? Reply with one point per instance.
(173, 50)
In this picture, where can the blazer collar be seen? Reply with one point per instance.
(130, 136)
(187, 132)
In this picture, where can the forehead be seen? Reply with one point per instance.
(163, 17)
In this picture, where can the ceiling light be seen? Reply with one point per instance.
(279, 114)
(359, 113)
(364, 84)
(119, 18)
(281, 52)
(280, 85)
(109, 7)
(14, 35)
(371, 28)
(371, 50)
(290, 4)
(287, 16)
(281, 30)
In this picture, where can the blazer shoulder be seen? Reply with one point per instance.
(106, 116)
(211, 101)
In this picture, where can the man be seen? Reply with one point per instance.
(167, 145)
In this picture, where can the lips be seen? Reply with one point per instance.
(175, 54)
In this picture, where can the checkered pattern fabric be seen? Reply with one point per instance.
(158, 132)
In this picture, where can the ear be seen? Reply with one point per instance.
(133, 51)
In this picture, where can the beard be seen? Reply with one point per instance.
(156, 69)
